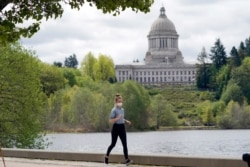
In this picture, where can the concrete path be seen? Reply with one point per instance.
(22, 162)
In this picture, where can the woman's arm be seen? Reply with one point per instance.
(113, 120)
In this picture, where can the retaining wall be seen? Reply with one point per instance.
(161, 160)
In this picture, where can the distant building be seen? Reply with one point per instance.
(163, 63)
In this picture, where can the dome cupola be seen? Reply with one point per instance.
(162, 25)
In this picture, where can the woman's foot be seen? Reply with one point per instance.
(128, 161)
(106, 159)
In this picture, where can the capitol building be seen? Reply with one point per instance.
(163, 63)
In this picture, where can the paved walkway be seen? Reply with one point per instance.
(21, 162)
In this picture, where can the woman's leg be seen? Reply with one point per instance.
(114, 136)
(123, 137)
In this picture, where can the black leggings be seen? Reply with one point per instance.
(118, 130)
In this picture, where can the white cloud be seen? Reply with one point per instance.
(198, 22)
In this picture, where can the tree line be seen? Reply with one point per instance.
(229, 78)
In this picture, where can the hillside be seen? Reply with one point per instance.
(185, 100)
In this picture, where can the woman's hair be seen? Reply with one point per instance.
(117, 96)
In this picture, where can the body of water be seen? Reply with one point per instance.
(212, 143)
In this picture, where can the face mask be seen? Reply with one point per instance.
(118, 104)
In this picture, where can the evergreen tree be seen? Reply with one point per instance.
(202, 78)
(241, 51)
(235, 57)
(71, 61)
(247, 49)
(58, 64)
(218, 54)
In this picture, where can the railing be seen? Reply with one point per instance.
(161, 160)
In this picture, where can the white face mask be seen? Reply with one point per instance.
(119, 104)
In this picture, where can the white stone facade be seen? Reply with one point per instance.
(163, 61)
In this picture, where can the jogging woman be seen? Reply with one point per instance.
(118, 129)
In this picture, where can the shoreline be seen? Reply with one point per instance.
(82, 130)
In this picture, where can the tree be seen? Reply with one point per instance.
(218, 54)
(202, 78)
(241, 75)
(232, 92)
(51, 78)
(235, 57)
(87, 65)
(21, 99)
(163, 112)
(202, 57)
(71, 61)
(207, 117)
(16, 12)
(241, 51)
(104, 68)
(136, 103)
(222, 78)
(247, 49)
(58, 64)
(71, 74)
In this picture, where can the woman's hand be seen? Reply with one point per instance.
(127, 121)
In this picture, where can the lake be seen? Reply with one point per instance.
(223, 143)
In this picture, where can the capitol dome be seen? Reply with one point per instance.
(162, 25)
(163, 42)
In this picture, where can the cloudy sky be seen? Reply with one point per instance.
(124, 38)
